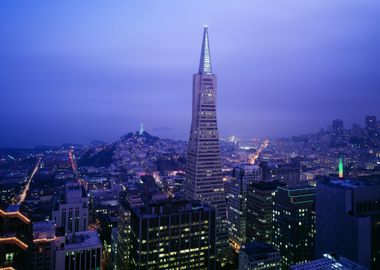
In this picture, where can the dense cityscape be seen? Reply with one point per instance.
(145, 202)
(307, 201)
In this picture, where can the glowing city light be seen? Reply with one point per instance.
(252, 158)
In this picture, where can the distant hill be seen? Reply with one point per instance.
(98, 158)
(133, 150)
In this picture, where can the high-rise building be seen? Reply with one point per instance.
(348, 218)
(288, 173)
(328, 262)
(126, 203)
(243, 176)
(15, 238)
(70, 211)
(78, 251)
(357, 131)
(172, 234)
(204, 179)
(372, 131)
(260, 211)
(294, 224)
(44, 243)
(337, 132)
(268, 171)
(259, 256)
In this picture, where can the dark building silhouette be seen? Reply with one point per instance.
(243, 176)
(288, 173)
(294, 224)
(260, 211)
(337, 132)
(348, 220)
(16, 238)
(266, 170)
(372, 130)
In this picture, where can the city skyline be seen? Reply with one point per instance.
(76, 80)
(190, 135)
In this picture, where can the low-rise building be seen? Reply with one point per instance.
(259, 256)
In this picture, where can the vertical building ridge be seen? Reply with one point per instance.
(205, 60)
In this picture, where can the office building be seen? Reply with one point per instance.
(259, 256)
(78, 251)
(15, 238)
(337, 133)
(172, 234)
(126, 203)
(294, 224)
(70, 210)
(260, 211)
(348, 218)
(204, 179)
(243, 176)
(372, 130)
(43, 248)
(288, 173)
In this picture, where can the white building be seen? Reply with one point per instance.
(78, 251)
(70, 212)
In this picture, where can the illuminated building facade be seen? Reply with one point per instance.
(172, 234)
(294, 224)
(348, 220)
(260, 211)
(15, 238)
(126, 203)
(259, 256)
(243, 176)
(204, 179)
(70, 212)
(77, 251)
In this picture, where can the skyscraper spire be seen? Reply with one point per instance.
(204, 178)
(205, 61)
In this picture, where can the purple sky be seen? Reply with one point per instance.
(74, 72)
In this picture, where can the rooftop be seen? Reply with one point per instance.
(352, 183)
(258, 250)
(169, 206)
(85, 239)
(44, 229)
(267, 185)
(13, 208)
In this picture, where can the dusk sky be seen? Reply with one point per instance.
(76, 71)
